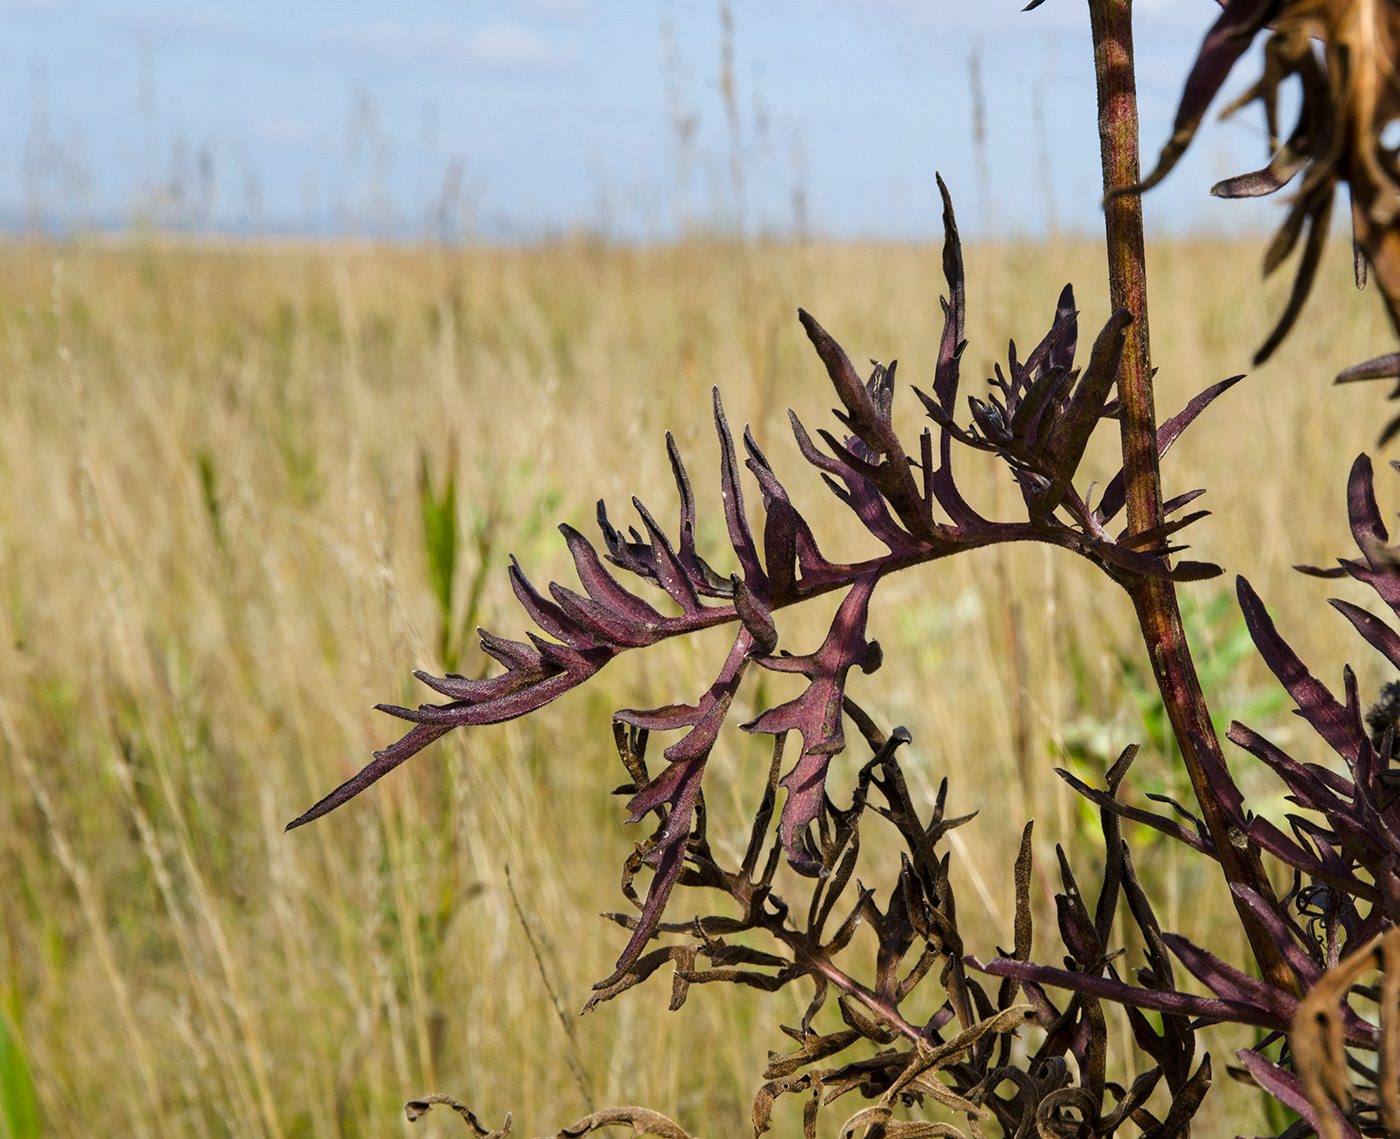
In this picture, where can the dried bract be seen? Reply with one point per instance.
(1350, 95)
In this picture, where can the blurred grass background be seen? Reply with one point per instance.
(213, 562)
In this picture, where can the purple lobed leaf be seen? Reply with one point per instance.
(568, 659)
(603, 623)
(1380, 368)
(732, 494)
(1377, 633)
(582, 632)
(1367, 525)
(756, 615)
(683, 788)
(1062, 352)
(518, 702)
(1045, 379)
(946, 491)
(635, 556)
(669, 571)
(1327, 869)
(601, 585)
(384, 762)
(1302, 780)
(854, 394)
(1259, 183)
(1227, 982)
(950, 348)
(1184, 1004)
(1167, 434)
(705, 580)
(1197, 841)
(789, 546)
(1287, 1088)
(704, 719)
(524, 663)
(816, 714)
(512, 654)
(547, 615)
(1315, 703)
(1284, 933)
(946, 374)
(679, 786)
(504, 698)
(861, 494)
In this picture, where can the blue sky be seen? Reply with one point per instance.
(516, 119)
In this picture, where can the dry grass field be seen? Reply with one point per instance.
(212, 565)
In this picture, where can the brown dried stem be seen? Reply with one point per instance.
(1155, 599)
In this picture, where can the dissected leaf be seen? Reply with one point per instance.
(816, 714)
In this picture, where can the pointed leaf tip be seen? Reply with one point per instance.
(418, 737)
(1381, 368)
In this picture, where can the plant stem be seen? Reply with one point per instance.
(1153, 598)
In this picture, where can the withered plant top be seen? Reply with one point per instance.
(1350, 94)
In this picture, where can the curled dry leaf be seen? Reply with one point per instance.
(880, 1121)
(415, 1109)
(642, 1120)
(1318, 1039)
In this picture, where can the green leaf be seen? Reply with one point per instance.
(440, 545)
(19, 1109)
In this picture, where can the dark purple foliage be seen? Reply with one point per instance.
(959, 1056)
(1037, 416)
(1345, 842)
(816, 714)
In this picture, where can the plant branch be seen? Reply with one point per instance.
(847, 984)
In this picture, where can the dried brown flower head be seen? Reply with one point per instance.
(1343, 53)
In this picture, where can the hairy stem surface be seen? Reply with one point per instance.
(1155, 599)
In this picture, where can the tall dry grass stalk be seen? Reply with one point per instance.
(212, 566)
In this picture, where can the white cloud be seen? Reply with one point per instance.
(283, 128)
(557, 9)
(1174, 14)
(976, 17)
(999, 17)
(510, 45)
(193, 21)
(506, 47)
